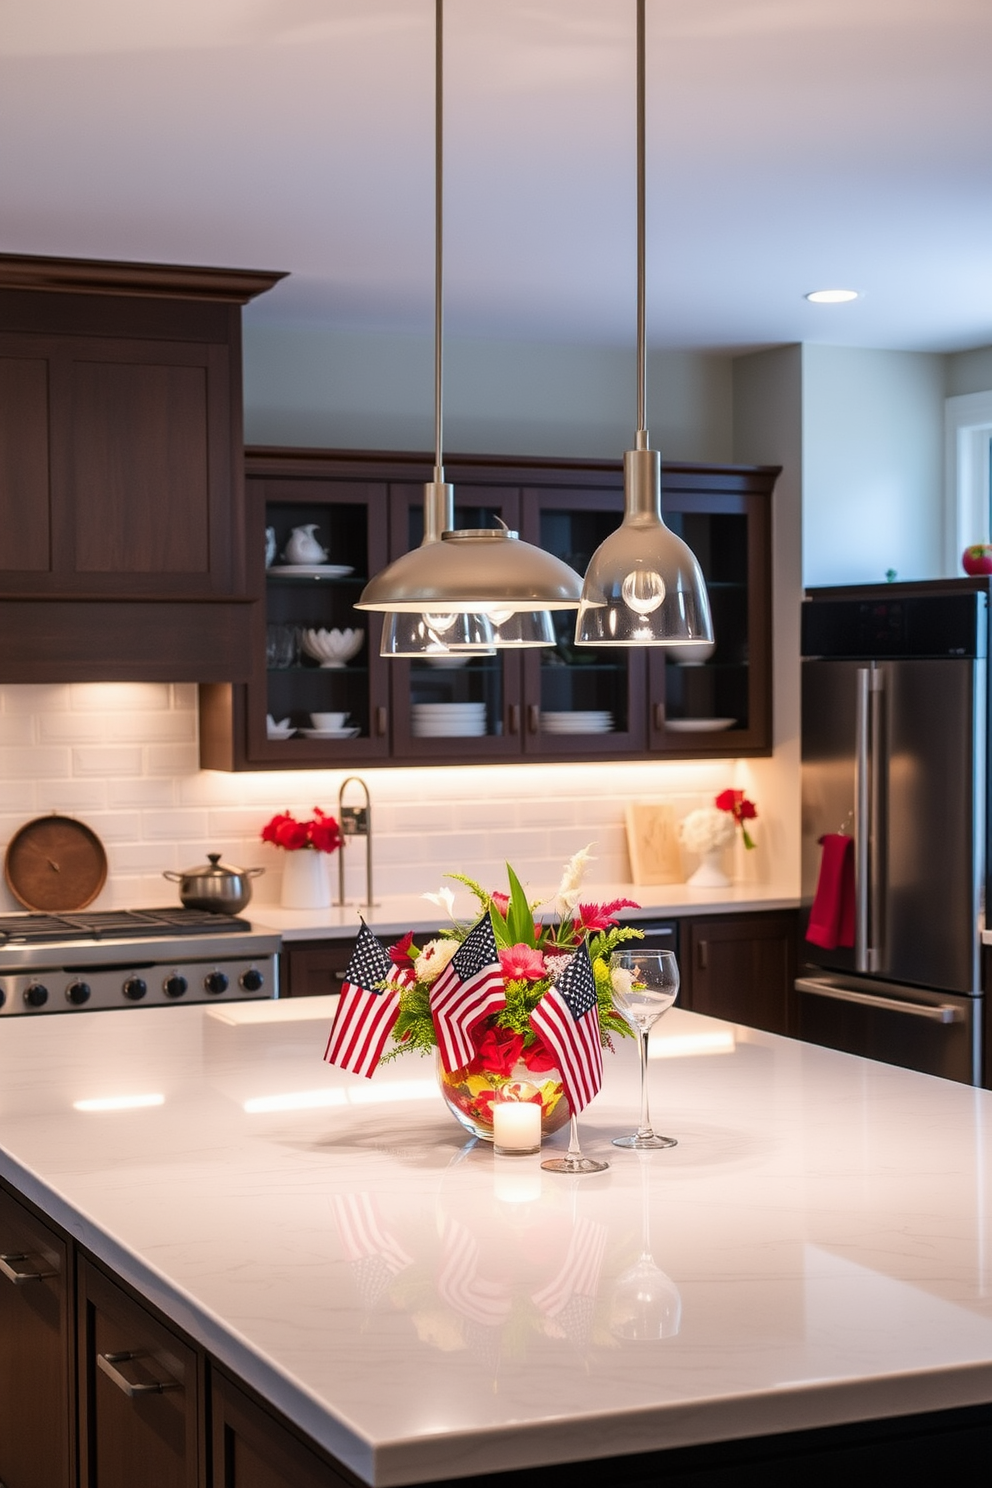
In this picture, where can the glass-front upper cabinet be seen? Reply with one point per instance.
(460, 708)
(580, 701)
(719, 702)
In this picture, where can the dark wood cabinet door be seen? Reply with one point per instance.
(742, 968)
(252, 1449)
(139, 1387)
(35, 1382)
(313, 968)
(722, 706)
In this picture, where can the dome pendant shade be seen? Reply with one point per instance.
(474, 572)
(416, 635)
(644, 585)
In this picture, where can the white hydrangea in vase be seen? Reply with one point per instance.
(706, 833)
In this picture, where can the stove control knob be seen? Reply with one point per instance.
(215, 981)
(77, 993)
(36, 995)
(253, 980)
(134, 989)
(175, 985)
(3, 997)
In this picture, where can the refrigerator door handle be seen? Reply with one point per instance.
(942, 1012)
(862, 804)
(876, 824)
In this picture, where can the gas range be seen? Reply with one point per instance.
(131, 958)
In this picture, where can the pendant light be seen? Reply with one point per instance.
(485, 573)
(643, 586)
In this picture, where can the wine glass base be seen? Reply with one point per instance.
(645, 1144)
(569, 1164)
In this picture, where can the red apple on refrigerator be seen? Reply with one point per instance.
(977, 559)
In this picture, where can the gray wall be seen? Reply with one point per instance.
(969, 371)
(307, 385)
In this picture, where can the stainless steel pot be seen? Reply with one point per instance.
(216, 887)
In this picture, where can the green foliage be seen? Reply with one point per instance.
(519, 915)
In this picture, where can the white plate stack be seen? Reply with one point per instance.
(587, 721)
(448, 720)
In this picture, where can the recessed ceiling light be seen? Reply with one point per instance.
(832, 296)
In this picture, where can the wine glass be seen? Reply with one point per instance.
(645, 984)
(575, 1160)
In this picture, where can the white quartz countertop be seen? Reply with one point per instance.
(814, 1251)
(396, 914)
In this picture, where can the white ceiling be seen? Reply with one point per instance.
(793, 144)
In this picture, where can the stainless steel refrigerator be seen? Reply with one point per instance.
(895, 754)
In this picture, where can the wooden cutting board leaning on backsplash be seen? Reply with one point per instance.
(653, 843)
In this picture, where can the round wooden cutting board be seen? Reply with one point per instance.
(55, 863)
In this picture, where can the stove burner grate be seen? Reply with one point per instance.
(114, 924)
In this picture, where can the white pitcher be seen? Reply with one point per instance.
(303, 547)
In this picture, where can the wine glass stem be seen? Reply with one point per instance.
(574, 1150)
(644, 1130)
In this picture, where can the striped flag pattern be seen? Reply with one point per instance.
(567, 1018)
(366, 1011)
(469, 988)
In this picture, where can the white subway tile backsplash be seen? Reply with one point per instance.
(106, 760)
(24, 762)
(171, 759)
(119, 697)
(124, 758)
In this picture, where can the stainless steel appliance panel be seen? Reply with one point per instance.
(935, 1032)
(829, 713)
(930, 854)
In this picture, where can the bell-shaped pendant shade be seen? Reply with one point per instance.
(473, 572)
(644, 585)
(413, 635)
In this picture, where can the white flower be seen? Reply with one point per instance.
(706, 830)
(556, 963)
(567, 896)
(444, 899)
(434, 958)
(621, 980)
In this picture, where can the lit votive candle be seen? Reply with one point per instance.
(516, 1127)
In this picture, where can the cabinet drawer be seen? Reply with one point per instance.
(35, 1384)
(139, 1388)
(252, 1449)
(314, 968)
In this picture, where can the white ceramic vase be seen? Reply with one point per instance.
(305, 884)
(710, 874)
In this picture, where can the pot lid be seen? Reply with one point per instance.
(213, 868)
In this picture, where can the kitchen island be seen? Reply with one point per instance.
(813, 1253)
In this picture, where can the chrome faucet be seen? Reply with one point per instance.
(355, 821)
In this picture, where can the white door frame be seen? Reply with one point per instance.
(967, 434)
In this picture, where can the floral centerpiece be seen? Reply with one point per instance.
(306, 844)
(510, 1058)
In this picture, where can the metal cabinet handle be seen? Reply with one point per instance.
(533, 718)
(513, 720)
(659, 717)
(943, 1012)
(108, 1363)
(381, 719)
(703, 954)
(8, 1268)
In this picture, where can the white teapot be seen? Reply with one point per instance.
(303, 547)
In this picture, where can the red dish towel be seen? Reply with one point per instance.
(831, 920)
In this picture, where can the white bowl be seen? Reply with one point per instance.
(333, 647)
(329, 720)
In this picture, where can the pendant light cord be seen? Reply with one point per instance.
(439, 232)
(642, 352)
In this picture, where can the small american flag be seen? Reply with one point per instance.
(567, 1018)
(367, 1011)
(469, 988)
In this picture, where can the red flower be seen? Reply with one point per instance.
(740, 808)
(522, 963)
(399, 953)
(499, 1050)
(592, 917)
(538, 1057)
(501, 901)
(320, 833)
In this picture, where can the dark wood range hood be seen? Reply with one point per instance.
(122, 547)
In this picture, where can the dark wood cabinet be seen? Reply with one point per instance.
(313, 968)
(140, 1392)
(250, 1448)
(634, 704)
(37, 1406)
(742, 967)
(121, 471)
